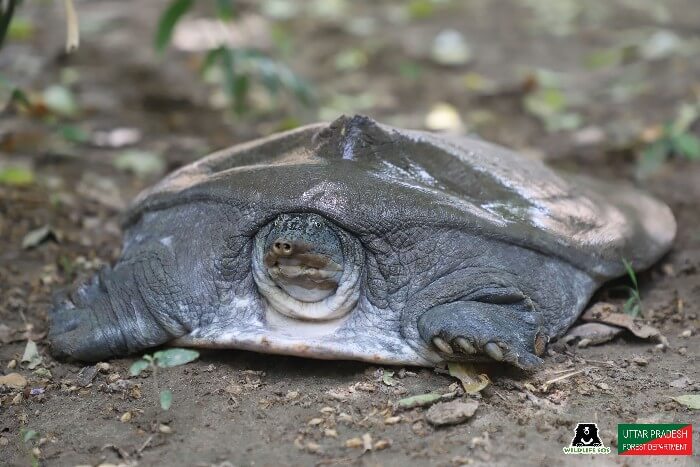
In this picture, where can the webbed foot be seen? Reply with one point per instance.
(469, 330)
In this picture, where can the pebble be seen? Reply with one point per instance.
(686, 333)
(86, 375)
(641, 361)
(451, 413)
(13, 380)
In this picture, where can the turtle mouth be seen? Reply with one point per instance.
(307, 283)
(308, 277)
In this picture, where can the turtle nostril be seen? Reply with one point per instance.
(282, 247)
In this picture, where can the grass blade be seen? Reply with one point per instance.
(168, 20)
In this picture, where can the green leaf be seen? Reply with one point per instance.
(388, 378)
(138, 366)
(28, 435)
(175, 357)
(167, 22)
(224, 9)
(692, 401)
(20, 97)
(20, 29)
(6, 14)
(74, 134)
(166, 399)
(60, 100)
(630, 272)
(16, 176)
(686, 145)
(653, 157)
(141, 163)
(211, 58)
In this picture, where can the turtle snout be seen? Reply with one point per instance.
(282, 247)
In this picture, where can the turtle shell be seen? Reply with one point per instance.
(370, 177)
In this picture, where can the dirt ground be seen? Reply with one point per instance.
(241, 408)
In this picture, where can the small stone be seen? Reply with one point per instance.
(685, 334)
(330, 433)
(113, 377)
(641, 361)
(163, 428)
(17, 399)
(315, 421)
(86, 375)
(126, 417)
(4, 441)
(354, 443)
(13, 381)
(392, 420)
(451, 413)
(382, 444)
(12, 364)
(103, 367)
(683, 351)
(313, 447)
(681, 382)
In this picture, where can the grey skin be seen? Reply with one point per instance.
(405, 247)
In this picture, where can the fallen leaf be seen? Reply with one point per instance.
(472, 381)
(38, 236)
(388, 378)
(137, 367)
(16, 176)
(366, 442)
(354, 443)
(450, 48)
(444, 117)
(60, 100)
(451, 413)
(681, 382)
(141, 163)
(692, 401)
(607, 313)
(592, 333)
(13, 380)
(116, 138)
(166, 399)
(420, 400)
(175, 357)
(31, 355)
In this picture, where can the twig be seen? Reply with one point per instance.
(143, 446)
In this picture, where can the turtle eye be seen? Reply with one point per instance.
(317, 224)
(278, 222)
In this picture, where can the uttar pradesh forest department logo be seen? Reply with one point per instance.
(586, 440)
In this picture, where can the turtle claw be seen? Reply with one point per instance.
(465, 346)
(494, 351)
(442, 345)
(477, 331)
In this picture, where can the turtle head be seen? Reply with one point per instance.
(307, 268)
(303, 256)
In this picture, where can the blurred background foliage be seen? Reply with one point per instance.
(551, 78)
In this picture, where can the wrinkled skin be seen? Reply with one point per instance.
(359, 241)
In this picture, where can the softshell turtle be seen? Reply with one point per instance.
(356, 240)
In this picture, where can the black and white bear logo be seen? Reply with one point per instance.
(586, 435)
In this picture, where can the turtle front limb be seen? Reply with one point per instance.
(468, 330)
(119, 312)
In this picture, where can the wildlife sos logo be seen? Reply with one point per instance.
(586, 440)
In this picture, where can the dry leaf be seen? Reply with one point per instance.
(472, 381)
(607, 313)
